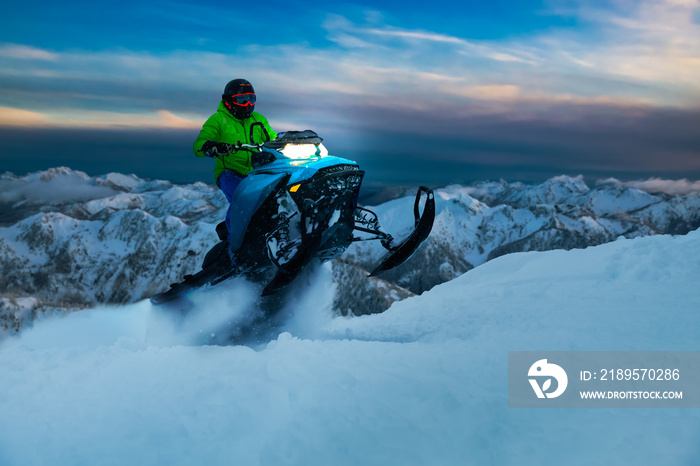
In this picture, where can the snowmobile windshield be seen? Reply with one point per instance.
(303, 151)
(240, 99)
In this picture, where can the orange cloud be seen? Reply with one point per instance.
(170, 120)
(17, 117)
(161, 119)
(491, 92)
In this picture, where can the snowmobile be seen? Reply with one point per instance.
(300, 205)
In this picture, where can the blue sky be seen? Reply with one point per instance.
(201, 25)
(436, 91)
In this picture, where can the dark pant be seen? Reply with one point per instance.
(228, 182)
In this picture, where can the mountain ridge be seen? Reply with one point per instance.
(72, 240)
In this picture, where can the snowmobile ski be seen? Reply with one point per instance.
(423, 225)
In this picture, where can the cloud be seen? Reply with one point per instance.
(19, 117)
(631, 63)
(654, 63)
(467, 47)
(653, 41)
(345, 33)
(170, 120)
(13, 117)
(658, 185)
(490, 92)
(435, 146)
(159, 119)
(26, 52)
(528, 143)
(62, 185)
(422, 35)
(683, 3)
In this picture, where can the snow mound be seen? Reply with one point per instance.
(423, 383)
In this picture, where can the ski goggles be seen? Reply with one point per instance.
(241, 99)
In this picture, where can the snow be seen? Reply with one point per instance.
(658, 185)
(125, 182)
(423, 383)
(119, 202)
(51, 187)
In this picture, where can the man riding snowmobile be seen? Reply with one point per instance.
(290, 202)
(233, 124)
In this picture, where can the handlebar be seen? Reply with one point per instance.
(257, 147)
(236, 147)
(258, 156)
(239, 146)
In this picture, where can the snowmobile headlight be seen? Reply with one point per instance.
(304, 151)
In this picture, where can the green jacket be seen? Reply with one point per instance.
(224, 127)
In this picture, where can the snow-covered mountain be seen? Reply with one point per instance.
(73, 241)
(68, 240)
(478, 223)
(424, 383)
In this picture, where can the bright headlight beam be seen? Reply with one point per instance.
(303, 151)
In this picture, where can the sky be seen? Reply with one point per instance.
(437, 92)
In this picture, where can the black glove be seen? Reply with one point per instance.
(258, 159)
(214, 149)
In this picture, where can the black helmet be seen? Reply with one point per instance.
(239, 98)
